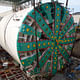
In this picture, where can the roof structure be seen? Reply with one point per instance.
(10, 2)
(77, 13)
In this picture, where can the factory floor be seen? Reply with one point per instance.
(9, 69)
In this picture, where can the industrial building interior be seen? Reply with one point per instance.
(39, 41)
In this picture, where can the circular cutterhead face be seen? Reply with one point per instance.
(55, 35)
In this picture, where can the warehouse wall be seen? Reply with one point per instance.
(76, 18)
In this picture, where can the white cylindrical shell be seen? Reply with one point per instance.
(9, 29)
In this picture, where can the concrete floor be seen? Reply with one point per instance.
(59, 76)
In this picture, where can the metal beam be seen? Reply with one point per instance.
(66, 3)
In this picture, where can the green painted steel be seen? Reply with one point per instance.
(55, 61)
(29, 60)
(43, 25)
(65, 14)
(55, 39)
(66, 27)
(29, 30)
(45, 57)
(47, 9)
(69, 48)
(29, 46)
(63, 53)
(67, 40)
(57, 19)
(61, 63)
(72, 30)
(47, 69)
